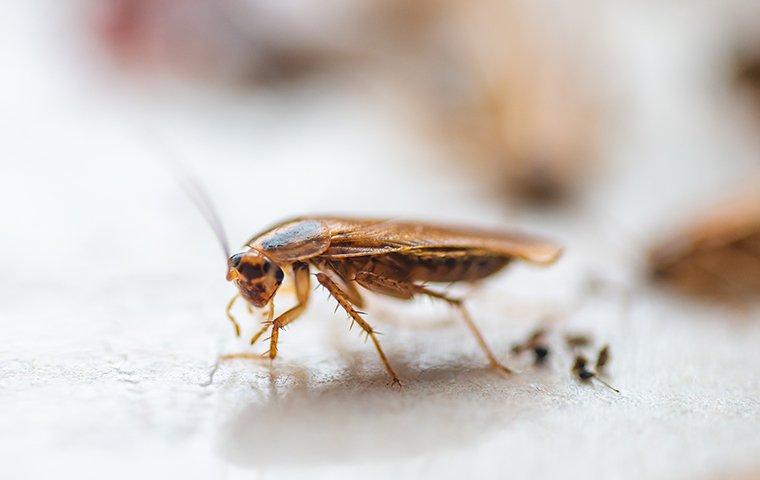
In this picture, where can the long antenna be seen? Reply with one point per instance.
(202, 201)
(192, 188)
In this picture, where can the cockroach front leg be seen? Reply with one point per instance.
(344, 302)
(400, 289)
(302, 285)
(228, 311)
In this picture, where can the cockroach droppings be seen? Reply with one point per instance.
(602, 358)
(581, 371)
(540, 353)
(577, 340)
(536, 344)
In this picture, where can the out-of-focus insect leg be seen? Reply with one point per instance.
(401, 289)
(228, 311)
(303, 288)
(344, 302)
(479, 336)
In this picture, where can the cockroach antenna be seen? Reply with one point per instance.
(200, 198)
(192, 188)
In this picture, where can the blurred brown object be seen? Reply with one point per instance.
(748, 72)
(250, 40)
(515, 95)
(507, 86)
(718, 256)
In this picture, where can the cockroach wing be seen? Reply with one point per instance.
(294, 240)
(356, 238)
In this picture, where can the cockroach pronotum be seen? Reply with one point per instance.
(387, 257)
(718, 256)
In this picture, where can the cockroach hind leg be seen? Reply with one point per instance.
(502, 369)
(495, 364)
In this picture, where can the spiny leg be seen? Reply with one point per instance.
(407, 290)
(228, 311)
(302, 285)
(353, 294)
(346, 285)
(344, 302)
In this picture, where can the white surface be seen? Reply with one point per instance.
(112, 292)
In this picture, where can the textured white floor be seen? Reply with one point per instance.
(112, 290)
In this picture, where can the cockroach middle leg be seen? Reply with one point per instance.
(303, 288)
(402, 289)
(228, 311)
(344, 302)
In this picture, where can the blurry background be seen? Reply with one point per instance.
(605, 125)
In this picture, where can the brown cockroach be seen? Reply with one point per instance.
(718, 256)
(387, 257)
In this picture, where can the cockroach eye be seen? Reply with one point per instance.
(279, 275)
(235, 260)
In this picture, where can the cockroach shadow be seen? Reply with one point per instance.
(353, 419)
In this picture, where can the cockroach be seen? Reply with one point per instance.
(387, 257)
(391, 258)
(718, 256)
(584, 374)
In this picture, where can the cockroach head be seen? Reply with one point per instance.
(256, 276)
